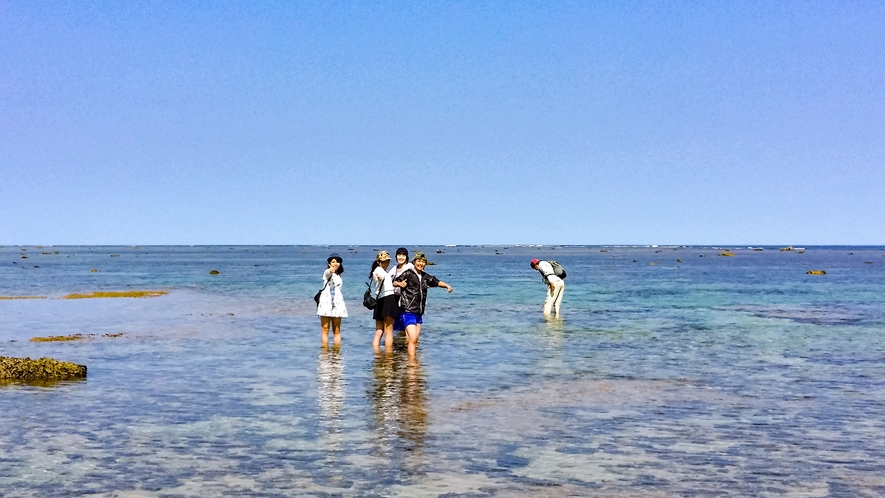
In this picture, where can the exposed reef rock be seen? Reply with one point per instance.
(42, 369)
(116, 294)
(726, 254)
(9, 298)
(58, 338)
(789, 248)
(815, 272)
(72, 337)
(214, 272)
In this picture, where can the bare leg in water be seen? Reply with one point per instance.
(383, 327)
(335, 323)
(412, 333)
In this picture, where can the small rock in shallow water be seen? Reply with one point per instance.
(726, 253)
(214, 272)
(815, 272)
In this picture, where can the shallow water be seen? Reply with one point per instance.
(713, 376)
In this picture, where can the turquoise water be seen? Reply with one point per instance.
(713, 376)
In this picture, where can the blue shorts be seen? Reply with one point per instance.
(406, 319)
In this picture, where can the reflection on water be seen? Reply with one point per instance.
(398, 394)
(330, 398)
(48, 383)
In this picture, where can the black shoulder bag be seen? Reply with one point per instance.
(369, 301)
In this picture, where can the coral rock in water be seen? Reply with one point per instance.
(815, 272)
(44, 368)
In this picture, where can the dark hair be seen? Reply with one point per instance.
(375, 264)
(340, 269)
(340, 260)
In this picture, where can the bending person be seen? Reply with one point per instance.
(414, 284)
(555, 287)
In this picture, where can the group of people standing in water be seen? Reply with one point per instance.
(400, 293)
(401, 297)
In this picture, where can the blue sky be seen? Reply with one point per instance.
(451, 122)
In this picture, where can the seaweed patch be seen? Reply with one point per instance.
(116, 294)
(43, 368)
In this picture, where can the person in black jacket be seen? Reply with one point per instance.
(413, 298)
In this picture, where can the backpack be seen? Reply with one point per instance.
(558, 270)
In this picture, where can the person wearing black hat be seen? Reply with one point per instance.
(331, 308)
(402, 264)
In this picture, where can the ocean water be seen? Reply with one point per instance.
(709, 376)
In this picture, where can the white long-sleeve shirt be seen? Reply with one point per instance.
(547, 273)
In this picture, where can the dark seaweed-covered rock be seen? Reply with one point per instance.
(42, 369)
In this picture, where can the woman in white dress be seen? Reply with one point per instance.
(331, 308)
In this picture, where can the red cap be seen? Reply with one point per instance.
(535, 261)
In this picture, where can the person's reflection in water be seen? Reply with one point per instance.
(413, 404)
(398, 391)
(331, 382)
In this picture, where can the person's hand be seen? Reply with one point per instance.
(450, 289)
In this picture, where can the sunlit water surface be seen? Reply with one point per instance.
(710, 376)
